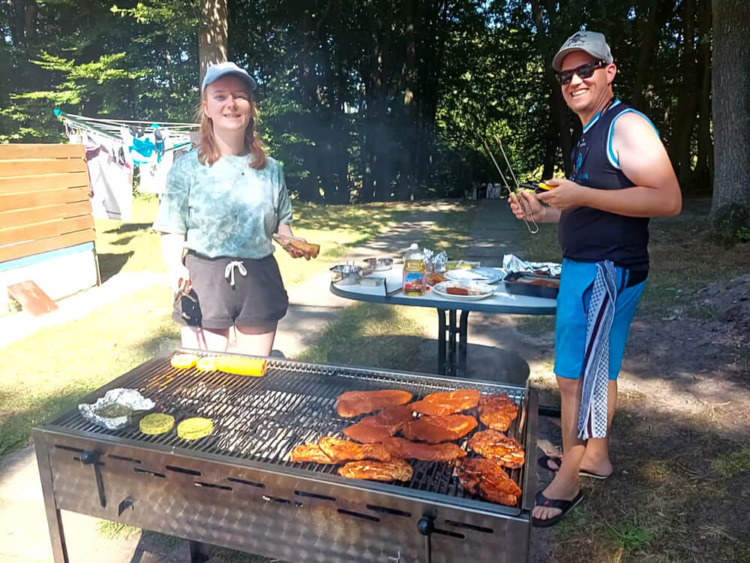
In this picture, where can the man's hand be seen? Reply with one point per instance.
(565, 195)
(526, 206)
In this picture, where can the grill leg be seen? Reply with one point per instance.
(54, 518)
(198, 552)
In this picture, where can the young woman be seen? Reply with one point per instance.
(223, 203)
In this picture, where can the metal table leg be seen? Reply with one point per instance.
(54, 518)
(441, 341)
(460, 368)
(452, 344)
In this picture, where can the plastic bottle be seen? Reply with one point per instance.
(414, 283)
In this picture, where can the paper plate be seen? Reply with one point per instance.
(478, 290)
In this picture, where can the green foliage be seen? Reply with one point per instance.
(361, 101)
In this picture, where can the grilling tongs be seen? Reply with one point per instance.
(513, 192)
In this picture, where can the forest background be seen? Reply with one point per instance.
(370, 100)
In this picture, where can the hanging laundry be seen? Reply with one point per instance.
(111, 184)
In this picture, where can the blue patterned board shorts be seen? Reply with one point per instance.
(572, 306)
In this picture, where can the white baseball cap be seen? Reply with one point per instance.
(218, 70)
(590, 42)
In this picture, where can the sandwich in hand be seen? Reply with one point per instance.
(310, 250)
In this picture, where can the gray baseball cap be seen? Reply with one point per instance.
(218, 70)
(590, 42)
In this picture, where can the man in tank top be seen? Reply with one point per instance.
(621, 177)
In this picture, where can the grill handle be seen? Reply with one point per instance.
(92, 458)
(425, 526)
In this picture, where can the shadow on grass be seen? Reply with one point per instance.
(111, 264)
(15, 426)
(669, 499)
(130, 228)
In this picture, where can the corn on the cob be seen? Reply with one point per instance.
(241, 366)
(184, 361)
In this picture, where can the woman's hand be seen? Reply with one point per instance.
(296, 252)
(565, 195)
(179, 279)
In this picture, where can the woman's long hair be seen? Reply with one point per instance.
(209, 153)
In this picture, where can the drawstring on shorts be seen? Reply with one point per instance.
(229, 270)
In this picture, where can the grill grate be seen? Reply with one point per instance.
(264, 418)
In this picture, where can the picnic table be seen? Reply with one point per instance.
(453, 314)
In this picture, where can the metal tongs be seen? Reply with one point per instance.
(528, 215)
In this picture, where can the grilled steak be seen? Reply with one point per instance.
(310, 452)
(394, 470)
(497, 411)
(496, 445)
(489, 480)
(343, 450)
(436, 429)
(354, 403)
(400, 448)
(451, 402)
(380, 426)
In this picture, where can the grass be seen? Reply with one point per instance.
(734, 463)
(53, 368)
(115, 530)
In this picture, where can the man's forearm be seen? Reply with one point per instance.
(638, 201)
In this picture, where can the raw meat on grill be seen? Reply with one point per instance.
(451, 402)
(394, 470)
(436, 429)
(380, 426)
(354, 403)
(497, 411)
(310, 452)
(400, 448)
(489, 480)
(496, 445)
(343, 450)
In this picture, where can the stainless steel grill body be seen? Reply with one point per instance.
(237, 489)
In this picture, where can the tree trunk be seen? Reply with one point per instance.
(730, 207)
(646, 57)
(212, 37)
(686, 105)
(705, 156)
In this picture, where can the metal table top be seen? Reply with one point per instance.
(501, 302)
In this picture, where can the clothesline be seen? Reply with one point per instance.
(115, 149)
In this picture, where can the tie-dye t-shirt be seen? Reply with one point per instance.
(220, 210)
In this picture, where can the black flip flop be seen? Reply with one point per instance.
(564, 505)
(546, 459)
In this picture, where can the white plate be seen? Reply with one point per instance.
(478, 290)
(485, 275)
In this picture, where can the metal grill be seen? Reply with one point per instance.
(257, 422)
(264, 418)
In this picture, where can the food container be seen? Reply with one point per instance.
(379, 264)
(521, 283)
(461, 264)
(346, 274)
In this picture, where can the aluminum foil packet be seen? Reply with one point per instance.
(512, 263)
(113, 411)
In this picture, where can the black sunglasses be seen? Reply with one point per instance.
(584, 71)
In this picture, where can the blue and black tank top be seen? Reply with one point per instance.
(592, 235)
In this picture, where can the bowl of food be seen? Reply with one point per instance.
(345, 274)
(379, 264)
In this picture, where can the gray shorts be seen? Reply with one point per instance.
(257, 299)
